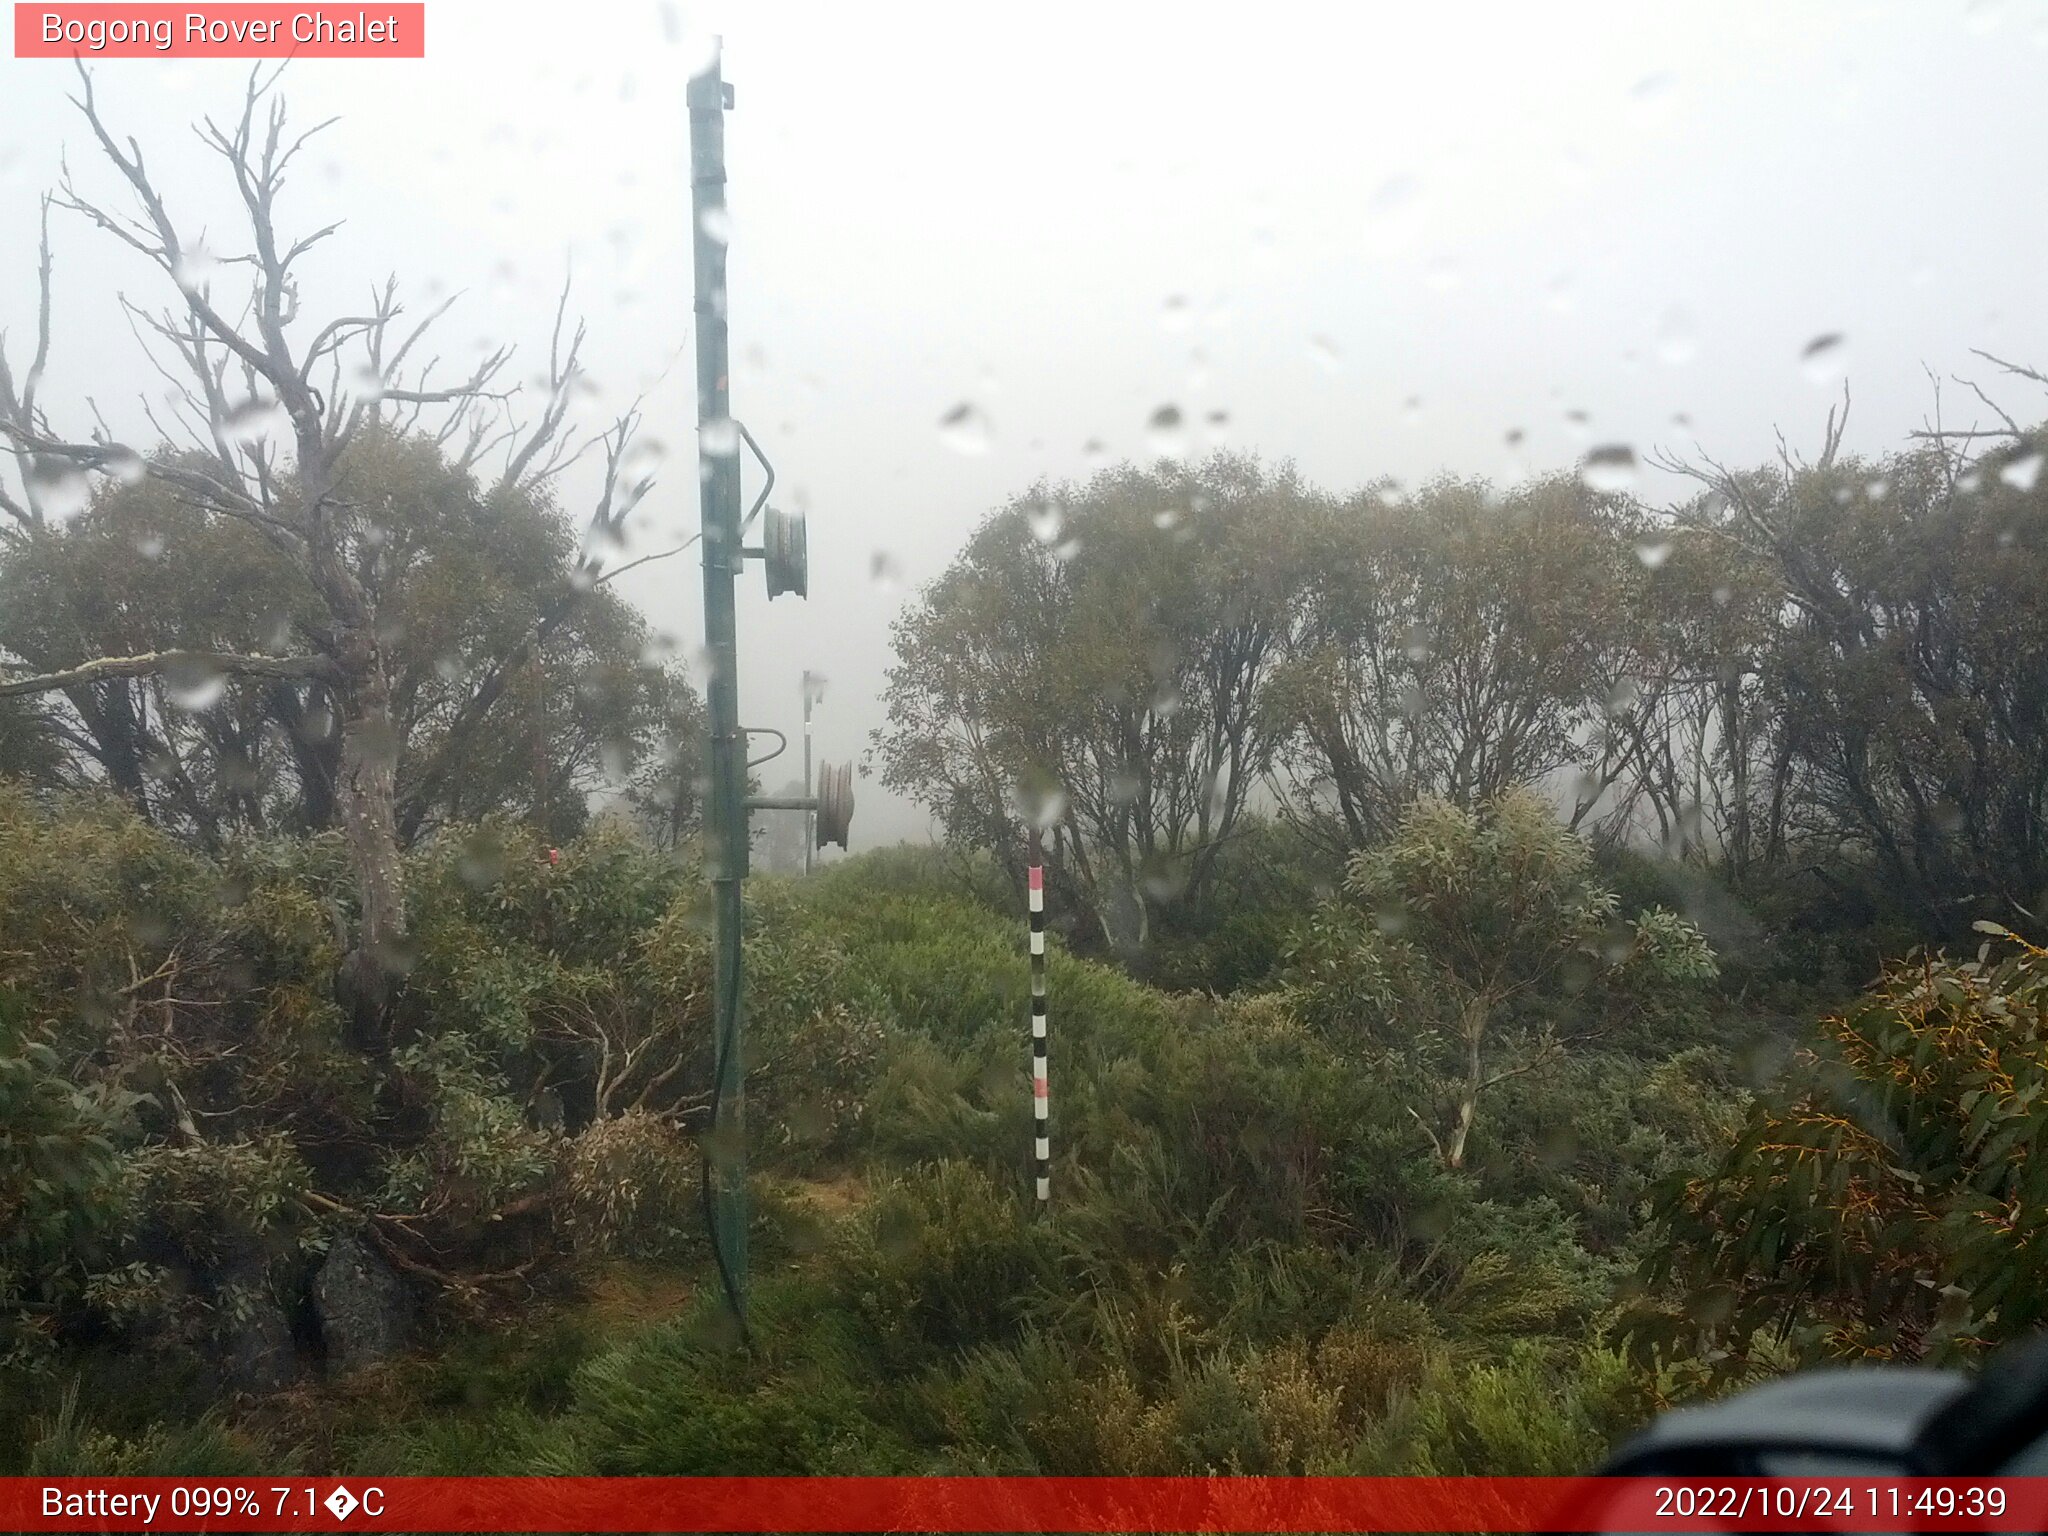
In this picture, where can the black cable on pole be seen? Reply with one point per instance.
(726, 1278)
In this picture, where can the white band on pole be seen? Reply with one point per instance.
(1041, 1095)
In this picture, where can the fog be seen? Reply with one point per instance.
(1376, 240)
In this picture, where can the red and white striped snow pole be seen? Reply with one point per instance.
(1040, 1101)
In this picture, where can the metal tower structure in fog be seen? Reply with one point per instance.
(783, 556)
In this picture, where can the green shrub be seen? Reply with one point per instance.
(942, 1259)
(1540, 1412)
(631, 1186)
(685, 1399)
(60, 1183)
(1888, 1201)
(67, 1443)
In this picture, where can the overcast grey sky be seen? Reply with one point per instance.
(1378, 237)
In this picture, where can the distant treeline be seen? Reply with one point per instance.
(1833, 674)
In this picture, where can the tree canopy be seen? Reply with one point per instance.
(462, 576)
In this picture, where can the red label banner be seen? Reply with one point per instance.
(239, 31)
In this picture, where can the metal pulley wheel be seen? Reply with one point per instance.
(835, 803)
(784, 553)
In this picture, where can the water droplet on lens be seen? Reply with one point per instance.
(1325, 352)
(1419, 643)
(1166, 517)
(1653, 553)
(884, 571)
(150, 545)
(194, 685)
(1165, 432)
(1609, 469)
(966, 429)
(59, 488)
(1046, 519)
(1675, 344)
(254, 421)
(1164, 878)
(1821, 358)
(642, 457)
(194, 267)
(1040, 801)
(717, 225)
(2023, 471)
(1173, 314)
(1393, 194)
(366, 381)
(720, 437)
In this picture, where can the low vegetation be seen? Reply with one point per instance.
(1262, 1255)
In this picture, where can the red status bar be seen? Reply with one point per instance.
(1048, 1504)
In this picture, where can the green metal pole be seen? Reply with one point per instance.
(725, 829)
(810, 823)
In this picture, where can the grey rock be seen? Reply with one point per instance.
(254, 1334)
(365, 1310)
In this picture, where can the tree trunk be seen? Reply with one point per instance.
(1468, 1107)
(368, 794)
(316, 755)
(1468, 1099)
(108, 710)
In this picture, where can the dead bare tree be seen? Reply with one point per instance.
(262, 421)
(1960, 447)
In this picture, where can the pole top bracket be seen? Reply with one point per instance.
(700, 93)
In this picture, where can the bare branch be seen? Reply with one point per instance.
(646, 559)
(563, 373)
(474, 389)
(338, 333)
(2017, 370)
(169, 251)
(34, 377)
(21, 410)
(405, 347)
(1832, 441)
(2012, 428)
(155, 663)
